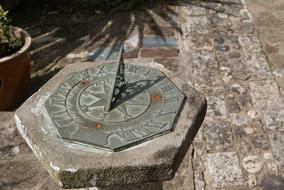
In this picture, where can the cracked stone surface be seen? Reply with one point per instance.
(231, 52)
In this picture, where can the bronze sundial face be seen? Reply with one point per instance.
(87, 107)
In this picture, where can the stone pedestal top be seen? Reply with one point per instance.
(76, 165)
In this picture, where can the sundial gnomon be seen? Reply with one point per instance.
(115, 105)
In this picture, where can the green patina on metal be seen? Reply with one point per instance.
(118, 85)
(147, 105)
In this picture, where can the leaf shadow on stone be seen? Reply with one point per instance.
(60, 28)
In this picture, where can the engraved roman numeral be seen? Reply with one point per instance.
(59, 114)
(65, 122)
(161, 113)
(72, 81)
(63, 91)
(156, 124)
(167, 88)
(134, 103)
(84, 74)
(55, 101)
(147, 73)
(74, 116)
(136, 133)
(127, 135)
(134, 69)
(171, 99)
(101, 69)
(63, 119)
(144, 131)
(85, 108)
(86, 93)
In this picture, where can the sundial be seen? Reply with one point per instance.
(112, 124)
(114, 106)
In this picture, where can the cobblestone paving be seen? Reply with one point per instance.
(240, 145)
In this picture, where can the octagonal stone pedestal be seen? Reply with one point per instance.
(143, 166)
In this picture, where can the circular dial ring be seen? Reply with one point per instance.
(148, 106)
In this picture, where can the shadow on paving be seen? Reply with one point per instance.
(61, 27)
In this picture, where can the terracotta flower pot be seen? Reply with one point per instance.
(15, 73)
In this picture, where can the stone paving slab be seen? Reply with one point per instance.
(224, 169)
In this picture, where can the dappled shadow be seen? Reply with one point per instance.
(65, 32)
(60, 28)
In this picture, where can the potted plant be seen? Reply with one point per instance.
(14, 62)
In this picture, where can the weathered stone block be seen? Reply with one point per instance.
(217, 107)
(74, 165)
(224, 169)
(277, 143)
(252, 163)
(218, 135)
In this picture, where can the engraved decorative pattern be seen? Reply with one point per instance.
(148, 107)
